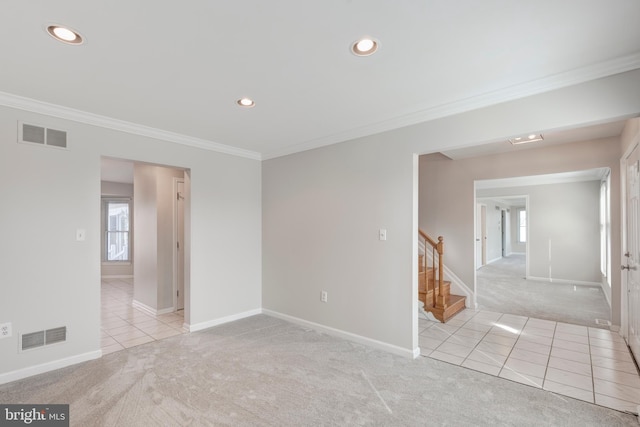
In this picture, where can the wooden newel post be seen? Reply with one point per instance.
(440, 249)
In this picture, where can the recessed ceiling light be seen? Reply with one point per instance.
(246, 102)
(532, 137)
(364, 47)
(64, 34)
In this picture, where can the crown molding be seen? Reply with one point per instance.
(557, 81)
(54, 110)
(534, 87)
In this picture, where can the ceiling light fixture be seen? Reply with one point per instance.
(246, 102)
(533, 137)
(364, 47)
(64, 34)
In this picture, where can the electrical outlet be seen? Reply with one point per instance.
(5, 330)
(323, 296)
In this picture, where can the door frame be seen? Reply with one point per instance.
(503, 231)
(483, 232)
(176, 252)
(480, 234)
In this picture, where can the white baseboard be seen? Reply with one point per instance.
(346, 335)
(215, 322)
(494, 260)
(49, 366)
(416, 352)
(117, 276)
(151, 310)
(564, 281)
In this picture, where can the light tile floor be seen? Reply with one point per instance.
(584, 363)
(125, 326)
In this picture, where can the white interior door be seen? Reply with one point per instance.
(180, 245)
(632, 268)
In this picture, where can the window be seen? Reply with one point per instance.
(522, 225)
(605, 229)
(116, 230)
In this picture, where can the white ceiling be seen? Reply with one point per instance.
(179, 67)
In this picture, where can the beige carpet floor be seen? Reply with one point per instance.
(502, 287)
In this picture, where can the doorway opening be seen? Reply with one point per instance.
(544, 250)
(143, 289)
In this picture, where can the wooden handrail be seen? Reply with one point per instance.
(437, 252)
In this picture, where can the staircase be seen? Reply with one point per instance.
(433, 290)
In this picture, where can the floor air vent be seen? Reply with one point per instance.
(33, 134)
(42, 338)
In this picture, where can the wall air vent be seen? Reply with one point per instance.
(52, 336)
(42, 338)
(34, 134)
(32, 340)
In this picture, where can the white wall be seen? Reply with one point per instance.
(49, 279)
(321, 215)
(322, 208)
(516, 246)
(564, 230)
(118, 190)
(145, 290)
(154, 194)
(509, 238)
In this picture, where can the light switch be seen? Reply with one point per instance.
(383, 234)
(81, 234)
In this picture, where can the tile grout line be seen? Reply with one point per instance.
(593, 380)
(478, 343)
(546, 368)
(452, 334)
(512, 347)
(548, 356)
